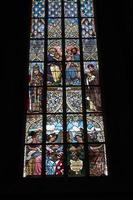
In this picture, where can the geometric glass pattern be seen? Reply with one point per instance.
(64, 128)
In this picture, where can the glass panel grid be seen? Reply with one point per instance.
(64, 134)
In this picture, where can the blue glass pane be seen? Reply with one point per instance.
(54, 74)
(38, 8)
(54, 160)
(73, 75)
(87, 8)
(33, 129)
(70, 8)
(90, 49)
(74, 99)
(54, 8)
(75, 160)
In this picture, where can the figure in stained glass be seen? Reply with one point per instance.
(54, 129)
(54, 8)
(54, 50)
(54, 73)
(93, 99)
(38, 8)
(98, 162)
(90, 49)
(33, 129)
(73, 76)
(91, 73)
(74, 99)
(54, 28)
(36, 74)
(33, 160)
(54, 160)
(70, 8)
(72, 50)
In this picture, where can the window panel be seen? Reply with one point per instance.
(88, 28)
(74, 99)
(90, 49)
(54, 129)
(54, 50)
(54, 100)
(73, 75)
(37, 30)
(38, 8)
(54, 160)
(75, 159)
(54, 8)
(33, 129)
(91, 73)
(71, 28)
(36, 50)
(75, 132)
(70, 8)
(93, 99)
(64, 128)
(33, 160)
(98, 163)
(54, 28)
(95, 128)
(87, 8)
(72, 50)
(35, 100)
(54, 74)
(36, 71)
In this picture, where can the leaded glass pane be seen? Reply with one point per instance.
(54, 160)
(36, 71)
(54, 129)
(38, 8)
(36, 50)
(70, 8)
(54, 99)
(75, 159)
(71, 28)
(37, 30)
(54, 28)
(54, 8)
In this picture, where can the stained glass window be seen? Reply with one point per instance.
(64, 132)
